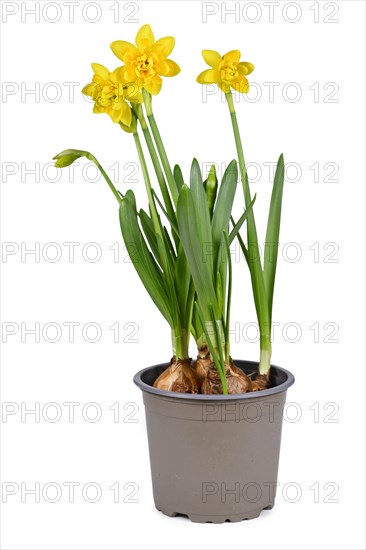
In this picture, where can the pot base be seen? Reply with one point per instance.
(198, 518)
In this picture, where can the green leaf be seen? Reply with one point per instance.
(241, 242)
(237, 226)
(193, 242)
(169, 242)
(252, 256)
(222, 370)
(178, 176)
(219, 292)
(196, 327)
(202, 215)
(148, 229)
(184, 287)
(143, 261)
(229, 290)
(131, 198)
(224, 203)
(169, 218)
(220, 224)
(273, 233)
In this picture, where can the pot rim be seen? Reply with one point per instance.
(202, 397)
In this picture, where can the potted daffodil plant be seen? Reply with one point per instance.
(213, 423)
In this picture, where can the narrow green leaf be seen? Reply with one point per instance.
(169, 242)
(143, 261)
(229, 289)
(168, 276)
(193, 242)
(202, 215)
(224, 203)
(273, 233)
(183, 286)
(131, 198)
(178, 176)
(219, 293)
(168, 217)
(238, 225)
(148, 229)
(220, 223)
(222, 371)
(255, 267)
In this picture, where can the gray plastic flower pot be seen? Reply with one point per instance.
(214, 458)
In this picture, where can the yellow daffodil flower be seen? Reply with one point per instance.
(226, 71)
(146, 62)
(111, 94)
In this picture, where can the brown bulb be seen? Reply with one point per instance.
(178, 377)
(261, 382)
(202, 365)
(237, 381)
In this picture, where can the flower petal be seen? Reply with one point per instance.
(161, 67)
(119, 74)
(210, 76)
(174, 68)
(233, 55)
(97, 109)
(125, 114)
(211, 57)
(245, 67)
(100, 70)
(125, 74)
(120, 48)
(164, 46)
(88, 89)
(129, 74)
(241, 84)
(154, 86)
(114, 114)
(144, 37)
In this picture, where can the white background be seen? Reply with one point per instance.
(319, 47)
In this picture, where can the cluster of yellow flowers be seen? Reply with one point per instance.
(145, 64)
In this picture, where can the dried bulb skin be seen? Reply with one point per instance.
(261, 382)
(178, 377)
(237, 381)
(236, 369)
(202, 365)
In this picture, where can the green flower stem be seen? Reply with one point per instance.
(156, 163)
(160, 147)
(253, 254)
(106, 177)
(146, 176)
(239, 149)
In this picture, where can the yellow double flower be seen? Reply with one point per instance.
(147, 62)
(226, 71)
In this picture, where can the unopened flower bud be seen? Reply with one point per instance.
(67, 157)
(210, 185)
